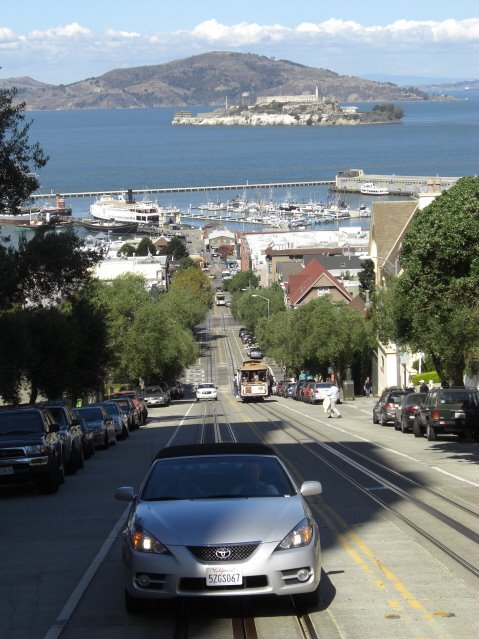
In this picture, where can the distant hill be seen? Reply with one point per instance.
(206, 79)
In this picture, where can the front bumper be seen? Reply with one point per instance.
(266, 572)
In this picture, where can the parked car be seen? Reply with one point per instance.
(384, 410)
(119, 417)
(205, 390)
(137, 399)
(100, 423)
(128, 408)
(87, 439)
(31, 449)
(220, 520)
(256, 353)
(448, 411)
(156, 396)
(406, 411)
(71, 434)
(318, 392)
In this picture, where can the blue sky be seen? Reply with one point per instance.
(62, 42)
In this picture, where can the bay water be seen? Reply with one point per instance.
(95, 150)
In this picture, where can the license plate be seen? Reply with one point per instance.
(459, 415)
(222, 576)
(6, 470)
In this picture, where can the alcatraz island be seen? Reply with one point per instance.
(291, 110)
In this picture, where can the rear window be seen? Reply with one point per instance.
(464, 397)
(20, 422)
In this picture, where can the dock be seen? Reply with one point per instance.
(349, 181)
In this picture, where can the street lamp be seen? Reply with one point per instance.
(263, 298)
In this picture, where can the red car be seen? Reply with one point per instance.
(137, 400)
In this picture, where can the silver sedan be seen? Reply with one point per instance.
(220, 520)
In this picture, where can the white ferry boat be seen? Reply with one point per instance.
(369, 188)
(125, 209)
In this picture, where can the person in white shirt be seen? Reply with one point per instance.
(333, 394)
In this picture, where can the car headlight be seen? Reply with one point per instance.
(301, 535)
(35, 450)
(142, 541)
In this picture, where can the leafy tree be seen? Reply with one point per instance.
(44, 270)
(157, 346)
(15, 349)
(248, 309)
(175, 249)
(146, 247)
(122, 299)
(18, 157)
(242, 280)
(196, 282)
(184, 306)
(367, 279)
(435, 306)
(185, 263)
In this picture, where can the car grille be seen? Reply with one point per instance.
(8, 453)
(198, 584)
(222, 553)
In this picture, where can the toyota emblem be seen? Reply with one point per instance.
(223, 553)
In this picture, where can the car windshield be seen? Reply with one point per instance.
(20, 422)
(154, 390)
(89, 413)
(217, 477)
(205, 386)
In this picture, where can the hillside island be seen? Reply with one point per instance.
(291, 110)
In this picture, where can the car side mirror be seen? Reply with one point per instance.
(310, 488)
(125, 493)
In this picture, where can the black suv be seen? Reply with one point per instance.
(71, 435)
(30, 449)
(448, 411)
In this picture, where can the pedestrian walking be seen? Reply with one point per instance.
(333, 395)
(367, 386)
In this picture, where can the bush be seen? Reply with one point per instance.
(426, 376)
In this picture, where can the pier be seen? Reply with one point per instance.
(189, 189)
(349, 181)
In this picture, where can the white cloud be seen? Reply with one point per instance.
(345, 46)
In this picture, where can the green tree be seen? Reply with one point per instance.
(184, 306)
(367, 279)
(196, 282)
(44, 270)
(157, 346)
(146, 247)
(435, 305)
(241, 281)
(18, 157)
(175, 249)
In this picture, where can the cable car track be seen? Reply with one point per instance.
(449, 521)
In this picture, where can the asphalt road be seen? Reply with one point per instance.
(387, 499)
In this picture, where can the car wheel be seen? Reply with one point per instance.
(404, 428)
(431, 434)
(50, 484)
(125, 432)
(417, 429)
(307, 601)
(80, 457)
(133, 605)
(375, 420)
(396, 424)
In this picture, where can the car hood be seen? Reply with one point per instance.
(221, 521)
(21, 439)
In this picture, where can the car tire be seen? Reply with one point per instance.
(397, 426)
(404, 428)
(375, 420)
(134, 605)
(417, 429)
(50, 483)
(431, 434)
(307, 601)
